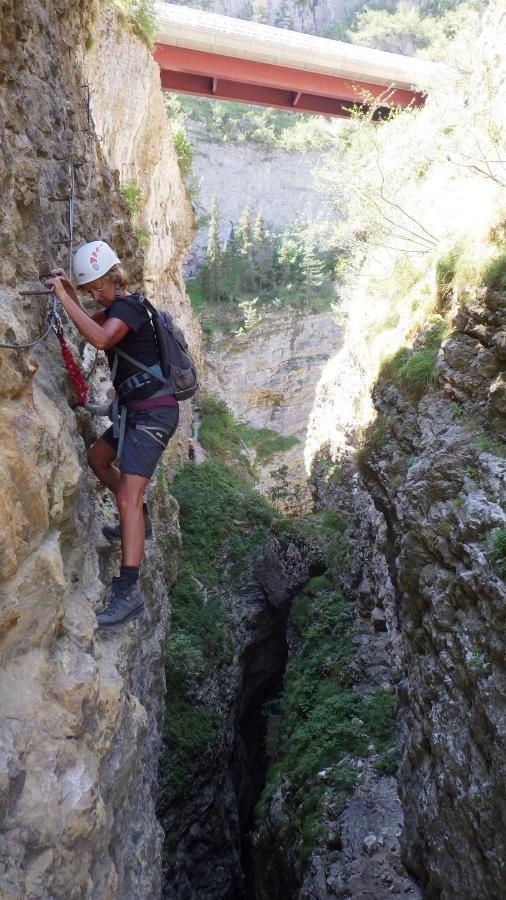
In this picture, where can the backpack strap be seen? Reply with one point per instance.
(167, 382)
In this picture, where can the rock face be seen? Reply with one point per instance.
(81, 713)
(316, 17)
(447, 510)
(269, 376)
(432, 590)
(206, 824)
(277, 183)
(433, 467)
(143, 154)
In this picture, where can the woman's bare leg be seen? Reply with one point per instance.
(129, 497)
(100, 458)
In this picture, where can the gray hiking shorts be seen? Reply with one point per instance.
(147, 434)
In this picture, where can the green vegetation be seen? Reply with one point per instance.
(412, 370)
(132, 194)
(182, 146)
(133, 198)
(230, 441)
(324, 723)
(446, 270)
(184, 152)
(227, 122)
(141, 15)
(498, 545)
(325, 529)
(403, 27)
(489, 443)
(494, 275)
(257, 268)
(224, 522)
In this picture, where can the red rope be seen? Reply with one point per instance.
(76, 376)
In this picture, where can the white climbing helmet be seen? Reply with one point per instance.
(92, 261)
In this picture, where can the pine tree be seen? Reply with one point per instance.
(213, 263)
(260, 9)
(231, 267)
(312, 269)
(262, 254)
(244, 238)
(283, 16)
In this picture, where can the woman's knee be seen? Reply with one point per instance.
(99, 456)
(128, 500)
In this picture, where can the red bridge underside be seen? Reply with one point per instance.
(229, 78)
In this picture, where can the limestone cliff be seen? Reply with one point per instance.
(432, 463)
(272, 181)
(80, 713)
(268, 376)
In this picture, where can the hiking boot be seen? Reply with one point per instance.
(113, 532)
(126, 603)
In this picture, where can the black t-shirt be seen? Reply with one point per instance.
(139, 342)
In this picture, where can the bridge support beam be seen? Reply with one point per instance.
(231, 78)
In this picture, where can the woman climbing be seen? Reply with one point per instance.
(152, 411)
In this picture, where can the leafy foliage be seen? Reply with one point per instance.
(498, 545)
(494, 275)
(257, 266)
(236, 123)
(132, 194)
(223, 523)
(184, 152)
(400, 30)
(413, 370)
(228, 440)
(319, 717)
(142, 16)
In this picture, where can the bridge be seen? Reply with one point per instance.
(230, 59)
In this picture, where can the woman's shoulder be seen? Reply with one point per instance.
(130, 310)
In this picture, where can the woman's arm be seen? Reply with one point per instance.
(100, 336)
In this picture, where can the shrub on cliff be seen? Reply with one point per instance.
(142, 16)
(324, 723)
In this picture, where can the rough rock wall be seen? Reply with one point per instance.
(128, 91)
(434, 469)
(314, 17)
(269, 376)
(452, 593)
(205, 825)
(80, 712)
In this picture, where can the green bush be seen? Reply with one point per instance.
(224, 522)
(229, 440)
(412, 370)
(141, 236)
(494, 275)
(498, 544)
(446, 270)
(184, 152)
(141, 15)
(132, 194)
(319, 713)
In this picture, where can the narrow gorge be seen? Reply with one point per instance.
(314, 704)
